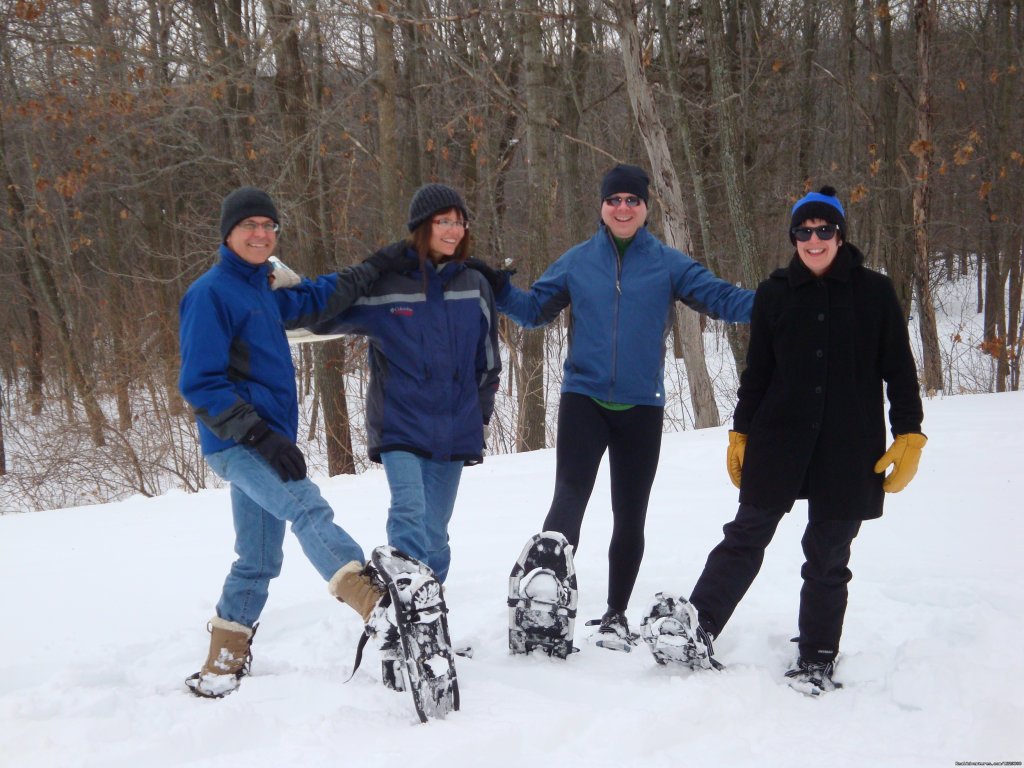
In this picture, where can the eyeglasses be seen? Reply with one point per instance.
(266, 226)
(451, 223)
(631, 201)
(824, 232)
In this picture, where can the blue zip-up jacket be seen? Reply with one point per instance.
(621, 312)
(434, 362)
(236, 367)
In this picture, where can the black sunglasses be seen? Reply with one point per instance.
(824, 232)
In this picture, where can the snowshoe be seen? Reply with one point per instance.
(542, 597)
(671, 631)
(422, 660)
(614, 633)
(812, 678)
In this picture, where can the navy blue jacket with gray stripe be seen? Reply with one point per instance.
(434, 362)
(236, 367)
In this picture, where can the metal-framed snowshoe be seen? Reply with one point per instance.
(423, 662)
(670, 629)
(542, 597)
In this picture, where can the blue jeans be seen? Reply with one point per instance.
(422, 499)
(261, 503)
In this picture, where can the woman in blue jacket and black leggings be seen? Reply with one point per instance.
(621, 285)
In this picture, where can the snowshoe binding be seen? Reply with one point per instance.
(671, 631)
(812, 678)
(542, 597)
(613, 632)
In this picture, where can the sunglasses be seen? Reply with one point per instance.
(824, 232)
(631, 201)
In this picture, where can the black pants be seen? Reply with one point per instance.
(735, 562)
(633, 441)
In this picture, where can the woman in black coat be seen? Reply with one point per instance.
(826, 333)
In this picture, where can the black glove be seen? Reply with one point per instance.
(280, 452)
(392, 258)
(498, 278)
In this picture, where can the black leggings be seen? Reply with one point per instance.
(633, 441)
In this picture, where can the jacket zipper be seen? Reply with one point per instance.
(615, 318)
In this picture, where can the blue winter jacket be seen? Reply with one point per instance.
(433, 356)
(236, 367)
(621, 312)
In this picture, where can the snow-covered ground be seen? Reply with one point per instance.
(103, 612)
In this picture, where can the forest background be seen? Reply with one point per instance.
(125, 122)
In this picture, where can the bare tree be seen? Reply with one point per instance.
(531, 433)
(677, 232)
(732, 170)
(924, 19)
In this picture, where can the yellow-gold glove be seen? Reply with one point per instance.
(904, 455)
(734, 456)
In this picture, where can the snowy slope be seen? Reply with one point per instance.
(103, 613)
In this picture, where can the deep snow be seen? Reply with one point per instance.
(104, 610)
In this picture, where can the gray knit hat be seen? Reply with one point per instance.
(431, 198)
(243, 203)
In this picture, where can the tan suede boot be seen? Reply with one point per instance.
(228, 660)
(353, 584)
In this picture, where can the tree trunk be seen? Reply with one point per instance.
(578, 218)
(810, 91)
(385, 82)
(732, 171)
(84, 386)
(924, 16)
(293, 102)
(420, 166)
(666, 184)
(738, 336)
(532, 429)
(898, 260)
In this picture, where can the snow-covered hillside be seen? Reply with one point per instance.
(103, 612)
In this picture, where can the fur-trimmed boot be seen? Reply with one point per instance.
(228, 661)
(354, 584)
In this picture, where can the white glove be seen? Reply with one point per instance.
(282, 276)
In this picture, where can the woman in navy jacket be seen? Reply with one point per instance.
(434, 367)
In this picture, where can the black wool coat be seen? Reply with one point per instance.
(811, 396)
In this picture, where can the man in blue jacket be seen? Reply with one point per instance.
(620, 285)
(237, 374)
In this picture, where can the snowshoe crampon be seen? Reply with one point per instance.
(671, 631)
(423, 663)
(542, 597)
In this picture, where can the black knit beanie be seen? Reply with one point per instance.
(823, 205)
(431, 198)
(243, 203)
(625, 178)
